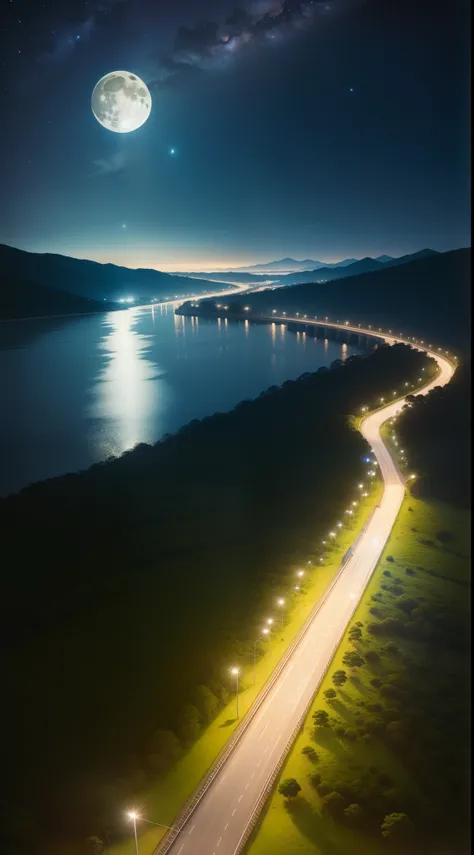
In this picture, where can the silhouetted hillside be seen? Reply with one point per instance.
(92, 280)
(364, 265)
(20, 298)
(428, 297)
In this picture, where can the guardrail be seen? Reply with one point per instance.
(192, 803)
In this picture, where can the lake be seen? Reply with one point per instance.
(74, 391)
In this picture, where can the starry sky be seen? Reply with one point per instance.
(309, 128)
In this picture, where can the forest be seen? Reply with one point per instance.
(132, 584)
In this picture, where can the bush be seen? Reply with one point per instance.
(321, 718)
(445, 536)
(354, 814)
(375, 707)
(310, 752)
(315, 779)
(323, 789)
(409, 571)
(376, 725)
(376, 682)
(339, 678)
(398, 827)
(367, 738)
(351, 734)
(330, 694)
(396, 590)
(390, 558)
(388, 626)
(372, 656)
(352, 659)
(387, 573)
(289, 788)
(392, 648)
(407, 604)
(334, 804)
(340, 730)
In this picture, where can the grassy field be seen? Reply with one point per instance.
(436, 575)
(162, 801)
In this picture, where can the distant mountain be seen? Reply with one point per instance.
(285, 265)
(94, 281)
(365, 265)
(232, 276)
(384, 258)
(20, 298)
(427, 297)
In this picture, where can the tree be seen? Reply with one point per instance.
(206, 702)
(330, 694)
(352, 659)
(321, 718)
(355, 634)
(397, 826)
(354, 814)
(95, 845)
(334, 804)
(339, 678)
(190, 723)
(165, 743)
(289, 788)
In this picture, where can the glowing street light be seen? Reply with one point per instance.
(235, 673)
(134, 816)
(300, 573)
(298, 589)
(266, 631)
(339, 525)
(332, 534)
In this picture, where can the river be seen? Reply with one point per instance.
(74, 391)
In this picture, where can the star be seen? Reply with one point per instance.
(172, 151)
(350, 89)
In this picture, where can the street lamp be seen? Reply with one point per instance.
(281, 603)
(300, 573)
(134, 816)
(266, 631)
(235, 672)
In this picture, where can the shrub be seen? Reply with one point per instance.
(375, 707)
(330, 694)
(339, 678)
(289, 788)
(352, 659)
(407, 604)
(340, 730)
(321, 718)
(387, 573)
(396, 590)
(376, 611)
(392, 648)
(315, 779)
(351, 734)
(390, 558)
(323, 789)
(367, 738)
(310, 752)
(334, 804)
(376, 682)
(354, 814)
(409, 571)
(397, 826)
(372, 656)
(376, 725)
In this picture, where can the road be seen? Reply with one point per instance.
(219, 823)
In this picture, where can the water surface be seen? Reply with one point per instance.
(74, 391)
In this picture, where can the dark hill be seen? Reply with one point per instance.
(93, 280)
(364, 265)
(20, 298)
(427, 297)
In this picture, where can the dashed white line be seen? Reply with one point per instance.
(192, 829)
(226, 826)
(234, 811)
(241, 797)
(179, 850)
(246, 786)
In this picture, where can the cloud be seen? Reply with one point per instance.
(113, 165)
(213, 45)
(68, 38)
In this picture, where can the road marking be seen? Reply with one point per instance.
(234, 811)
(179, 850)
(192, 829)
(246, 786)
(226, 826)
(218, 842)
(241, 797)
(264, 729)
(258, 764)
(253, 773)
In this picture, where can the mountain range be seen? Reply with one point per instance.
(428, 295)
(33, 282)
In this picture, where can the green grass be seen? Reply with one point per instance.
(301, 827)
(162, 801)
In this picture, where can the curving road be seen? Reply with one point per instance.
(221, 819)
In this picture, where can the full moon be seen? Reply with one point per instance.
(121, 102)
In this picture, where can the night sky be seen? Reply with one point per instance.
(320, 129)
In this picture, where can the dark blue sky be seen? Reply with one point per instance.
(307, 129)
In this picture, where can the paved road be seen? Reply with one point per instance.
(219, 822)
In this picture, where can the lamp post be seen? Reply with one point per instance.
(266, 631)
(134, 816)
(235, 672)
(281, 603)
